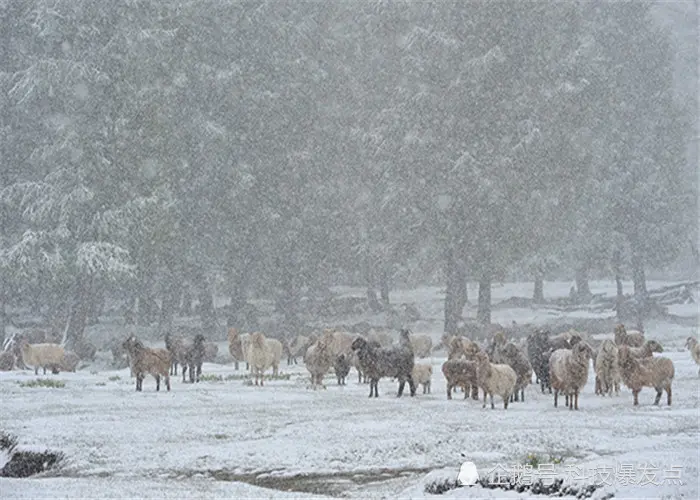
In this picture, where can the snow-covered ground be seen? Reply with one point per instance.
(209, 439)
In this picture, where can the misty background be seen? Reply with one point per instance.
(159, 154)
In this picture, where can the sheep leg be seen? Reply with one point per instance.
(505, 401)
(262, 378)
(522, 394)
(449, 391)
(235, 364)
(491, 397)
(556, 397)
(157, 382)
(484, 405)
(668, 394)
(412, 385)
(275, 370)
(402, 382)
(659, 393)
(576, 400)
(139, 379)
(167, 381)
(636, 398)
(475, 393)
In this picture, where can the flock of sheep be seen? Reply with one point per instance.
(502, 368)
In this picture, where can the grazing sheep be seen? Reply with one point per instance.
(144, 360)
(568, 372)
(297, 347)
(7, 361)
(607, 369)
(493, 379)
(510, 355)
(538, 352)
(238, 346)
(422, 373)
(633, 338)
(462, 373)
(318, 360)
(649, 347)
(41, 355)
(655, 372)
(341, 365)
(378, 362)
(422, 345)
(194, 357)
(692, 345)
(68, 364)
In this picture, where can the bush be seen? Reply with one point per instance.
(25, 463)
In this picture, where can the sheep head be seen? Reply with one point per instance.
(583, 348)
(232, 334)
(510, 350)
(654, 346)
(257, 339)
(499, 338)
(359, 344)
(691, 342)
(620, 334)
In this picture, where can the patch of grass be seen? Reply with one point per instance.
(101, 384)
(221, 436)
(44, 382)
(114, 378)
(535, 460)
(211, 378)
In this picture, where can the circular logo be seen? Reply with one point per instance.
(468, 475)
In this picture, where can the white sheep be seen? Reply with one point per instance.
(41, 355)
(694, 347)
(422, 345)
(422, 373)
(494, 379)
(568, 372)
(607, 369)
(262, 354)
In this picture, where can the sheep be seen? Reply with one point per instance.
(694, 347)
(318, 360)
(458, 347)
(382, 338)
(378, 362)
(41, 355)
(341, 365)
(460, 372)
(568, 372)
(341, 342)
(655, 372)
(7, 361)
(69, 363)
(649, 347)
(607, 369)
(538, 352)
(263, 353)
(297, 347)
(238, 346)
(157, 362)
(211, 351)
(632, 338)
(178, 348)
(355, 361)
(493, 379)
(194, 357)
(422, 345)
(510, 355)
(422, 373)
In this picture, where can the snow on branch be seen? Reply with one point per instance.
(103, 259)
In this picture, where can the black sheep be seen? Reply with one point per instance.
(341, 365)
(395, 362)
(195, 358)
(538, 350)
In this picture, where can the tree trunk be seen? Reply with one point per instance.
(620, 294)
(384, 287)
(454, 293)
(483, 313)
(583, 289)
(171, 297)
(206, 307)
(3, 314)
(538, 294)
(78, 314)
(640, 290)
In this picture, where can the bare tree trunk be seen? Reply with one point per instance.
(455, 292)
(171, 296)
(3, 313)
(538, 294)
(583, 289)
(640, 290)
(78, 311)
(483, 313)
(620, 295)
(206, 305)
(384, 287)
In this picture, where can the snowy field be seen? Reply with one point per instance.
(222, 438)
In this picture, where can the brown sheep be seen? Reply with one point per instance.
(517, 360)
(632, 338)
(647, 372)
(157, 362)
(462, 373)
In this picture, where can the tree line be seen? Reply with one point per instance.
(163, 152)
